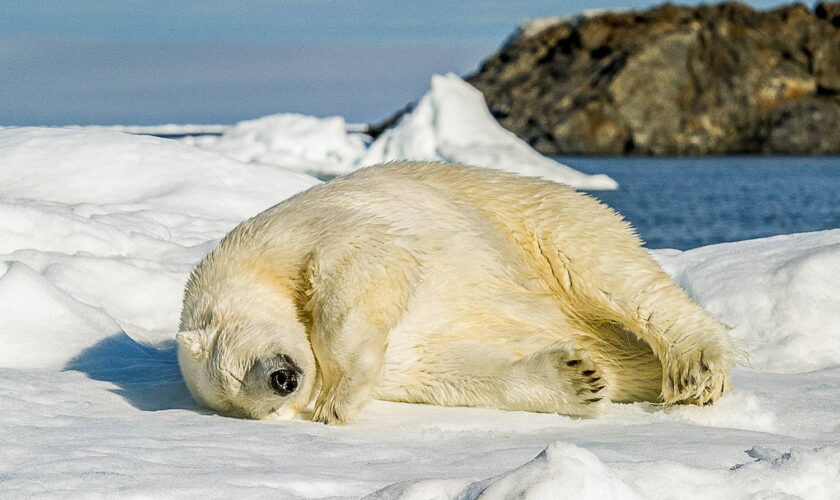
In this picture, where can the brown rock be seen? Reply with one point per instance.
(802, 126)
(711, 79)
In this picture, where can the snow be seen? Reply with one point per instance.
(98, 232)
(780, 296)
(303, 143)
(451, 123)
(533, 27)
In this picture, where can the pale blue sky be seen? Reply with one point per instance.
(220, 61)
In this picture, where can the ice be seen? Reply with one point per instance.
(302, 143)
(98, 232)
(170, 129)
(452, 123)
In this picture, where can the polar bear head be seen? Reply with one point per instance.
(249, 370)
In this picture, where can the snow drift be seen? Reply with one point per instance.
(452, 123)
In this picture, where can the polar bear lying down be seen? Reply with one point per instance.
(441, 284)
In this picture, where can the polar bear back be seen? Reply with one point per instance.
(469, 230)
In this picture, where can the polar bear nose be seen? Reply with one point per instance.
(284, 382)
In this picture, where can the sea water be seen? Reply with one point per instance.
(689, 202)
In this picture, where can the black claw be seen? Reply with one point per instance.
(593, 380)
(587, 373)
(573, 362)
(703, 365)
(593, 400)
(597, 389)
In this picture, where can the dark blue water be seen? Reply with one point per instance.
(688, 202)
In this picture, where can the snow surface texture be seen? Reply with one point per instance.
(452, 123)
(98, 231)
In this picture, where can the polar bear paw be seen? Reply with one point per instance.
(338, 404)
(329, 412)
(698, 376)
(578, 384)
(586, 380)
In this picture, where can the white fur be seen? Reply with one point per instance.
(442, 284)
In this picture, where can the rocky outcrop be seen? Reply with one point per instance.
(713, 79)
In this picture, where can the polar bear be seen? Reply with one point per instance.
(441, 284)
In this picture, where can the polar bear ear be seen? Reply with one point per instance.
(196, 342)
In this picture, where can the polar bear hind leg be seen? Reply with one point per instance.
(614, 282)
(558, 379)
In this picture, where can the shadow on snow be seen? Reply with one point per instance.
(146, 377)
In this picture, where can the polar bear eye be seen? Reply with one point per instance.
(284, 382)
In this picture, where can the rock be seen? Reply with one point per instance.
(803, 126)
(712, 79)
(829, 11)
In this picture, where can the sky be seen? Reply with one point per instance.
(146, 62)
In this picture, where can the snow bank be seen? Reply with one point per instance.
(452, 123)
(98, 231)
(566, 471)
(780, 295)
(298, 142)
